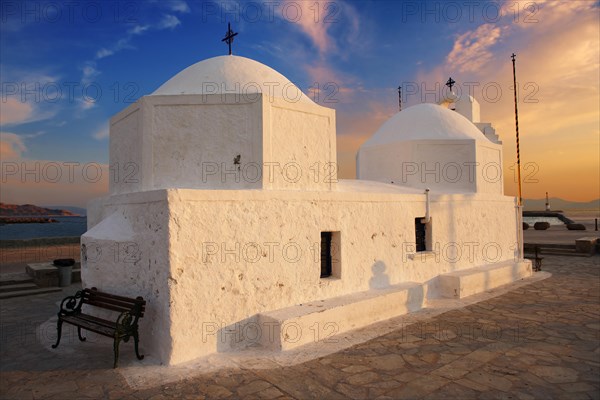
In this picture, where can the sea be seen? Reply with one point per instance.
(66, 226)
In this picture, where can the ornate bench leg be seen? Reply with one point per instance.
(79, 334)
(136, 340)
(58, 333)
(116, 351)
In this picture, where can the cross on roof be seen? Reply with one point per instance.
(513, 56)
(450, 83)
(229, 36)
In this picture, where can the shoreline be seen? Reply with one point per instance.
(26, 220)
(37, 242)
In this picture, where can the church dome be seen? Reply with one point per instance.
(425, 122)
(232, 74)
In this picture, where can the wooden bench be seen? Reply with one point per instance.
(533, 253)
(124, 327)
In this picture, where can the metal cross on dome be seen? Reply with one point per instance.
(229, 36)
(450, 83)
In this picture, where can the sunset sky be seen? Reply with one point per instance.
(67, 67)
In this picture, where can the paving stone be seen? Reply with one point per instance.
(352, 391)
(388, 362)
(579, 387)
(451, 372)
(270, 393)
(407, 376)
(253, 387)
(472, 385)
(452, 391)
(490, 380)
(52, 388)
(554, 374)
(217, 392)
(419, 387)
(362, 378)
(355, 368)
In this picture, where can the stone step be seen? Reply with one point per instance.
(559, 252)
(46, 274)
(550, 245)
(31, 292)
(294, 326)
(14, 278)
(17, 286)
(467, 282)
(546, 250)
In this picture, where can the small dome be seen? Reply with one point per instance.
(232, 74)
(425, 122)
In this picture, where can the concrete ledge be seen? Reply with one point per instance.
(46, 274)
(586, 245)
(317, 321)
(460, 284)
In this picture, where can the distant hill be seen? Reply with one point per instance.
(560, 204)
(77, 210)
(29, 210)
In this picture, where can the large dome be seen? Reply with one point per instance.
(232, 74)
(425, 122)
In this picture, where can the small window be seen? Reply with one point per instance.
(330, 255)
(420, 234)
(326, 259)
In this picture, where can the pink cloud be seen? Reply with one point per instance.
(306, 16)
(558, 59)
(14, 111)
(11, 146)
(472, 49)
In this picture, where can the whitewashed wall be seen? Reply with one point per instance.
(191, 141)
(199, 269)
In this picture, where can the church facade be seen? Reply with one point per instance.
(227, 216)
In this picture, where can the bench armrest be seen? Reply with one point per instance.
(71, 305)
(126, 322)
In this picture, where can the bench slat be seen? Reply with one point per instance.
(113, 296)
(90, 326)
(107, 306)
(120, 303)
(99, 321)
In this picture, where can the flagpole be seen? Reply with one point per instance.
(517, 129)
(399, 98)
(520, 197)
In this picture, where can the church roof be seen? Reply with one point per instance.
(425, 122)
(232, 74)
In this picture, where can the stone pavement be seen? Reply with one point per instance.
(538, 341)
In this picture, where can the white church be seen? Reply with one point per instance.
(226, 214)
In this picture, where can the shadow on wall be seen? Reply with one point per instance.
(236, 336)
(379, 279)
(416, 298)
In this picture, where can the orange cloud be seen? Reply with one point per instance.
(558, 59)
(11, 146)
(472, 49)
(13, 111)
(306, 14)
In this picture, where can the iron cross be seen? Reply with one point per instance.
(229, 36)
(450, 83)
